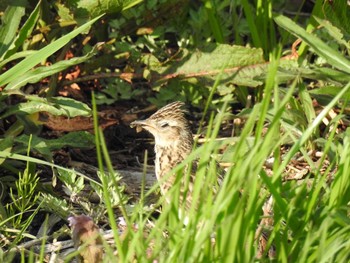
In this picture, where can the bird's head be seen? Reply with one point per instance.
(168, 125)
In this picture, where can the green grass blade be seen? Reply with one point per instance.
(39, 73)
(10, 23)
(213, 21)
(25, 30)
(31, 61)
(321, 48)
(257, 42)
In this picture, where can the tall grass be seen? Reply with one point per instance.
(310, 217)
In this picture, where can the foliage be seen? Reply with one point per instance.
(23, 201)
(114, 186)
(26, 58)
(236, 61)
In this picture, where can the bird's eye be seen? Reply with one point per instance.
(164, 124)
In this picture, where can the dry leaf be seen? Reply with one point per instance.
(86, 237)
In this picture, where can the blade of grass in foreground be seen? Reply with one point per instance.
(101, 151)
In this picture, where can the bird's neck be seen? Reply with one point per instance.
(167, 157)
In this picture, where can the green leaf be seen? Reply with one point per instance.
(87, 8)
(333, 31)
(6, 146)
(10, 23)
(329, 90)
(58, 206)
(239, 65)
(31, 61)
(321, 48)
(72, 107)
(25, 30)
(17, 55)
(215, 57)
(63, 12)
(251, 21)
(83, 140)
(39, 73)
(56, 106)
(306, 103)
(332, 74)
(338, 12)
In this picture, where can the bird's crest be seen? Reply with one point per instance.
(173, 110)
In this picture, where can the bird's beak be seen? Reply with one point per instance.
(139, 124)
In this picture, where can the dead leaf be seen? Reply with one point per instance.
(86, 237)
(79, 123)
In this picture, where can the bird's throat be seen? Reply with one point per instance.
(166, 159)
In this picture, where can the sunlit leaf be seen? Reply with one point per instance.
(10, 23)
(31, 61)
(56, 106)
(332, 56)
(39, 73)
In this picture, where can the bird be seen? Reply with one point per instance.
(173, 144)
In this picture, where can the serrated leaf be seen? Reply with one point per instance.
(63, 12)
(217, 57)
(55, 205)
(338, 12)
(333, 31)
(237, 64)
(73, 183)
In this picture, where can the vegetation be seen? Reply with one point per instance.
(268, 88)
